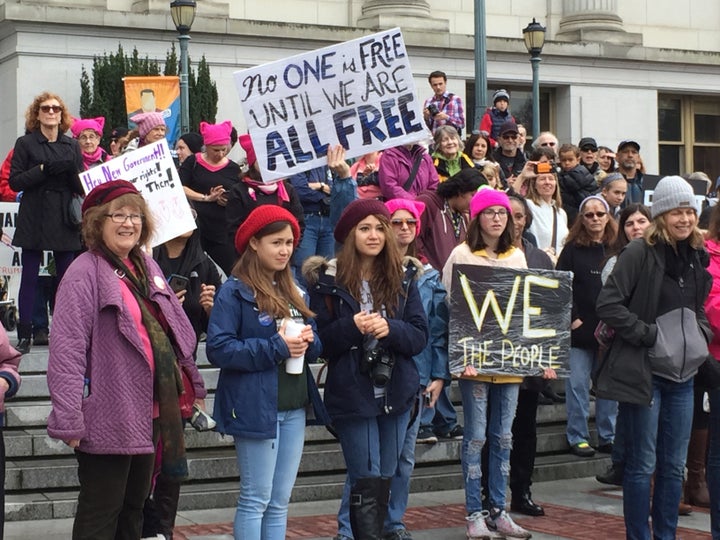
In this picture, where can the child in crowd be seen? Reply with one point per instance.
(613, 189)
(576, 183)
(496, 115)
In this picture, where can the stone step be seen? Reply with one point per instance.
(223, 494)
(212, 457)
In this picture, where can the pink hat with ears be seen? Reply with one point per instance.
(416, 208)
(216, 133)
(81, 124)
(247, 145)
(148, 121)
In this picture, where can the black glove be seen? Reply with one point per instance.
(59, 168)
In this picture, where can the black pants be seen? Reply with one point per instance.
(522, 455)
(113, 489)
(524, 430)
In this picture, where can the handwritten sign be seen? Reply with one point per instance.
(509, 322)
(359, 94)
(153, 172)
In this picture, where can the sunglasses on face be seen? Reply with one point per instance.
(399, 222)
(51, 108)
(510, 136)
(547, 144)
(590, 215)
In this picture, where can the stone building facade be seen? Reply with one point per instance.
(611, 69)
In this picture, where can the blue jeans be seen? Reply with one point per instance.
(498, 429)
(577, 393)
(399, 487)
(657, 442)
(317, 239)
(713, 464)
(268, 468)
(442, 418)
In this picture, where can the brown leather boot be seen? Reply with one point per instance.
(696, 490)
(684, 509)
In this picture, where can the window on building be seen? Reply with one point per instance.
(689, 135)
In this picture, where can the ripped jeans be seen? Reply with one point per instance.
(478, 428)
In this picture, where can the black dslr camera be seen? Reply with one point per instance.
(433, 109)
(376, 361)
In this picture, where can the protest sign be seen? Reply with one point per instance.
(509, 321)
(155, 94)
(153, 172)
(359, 94)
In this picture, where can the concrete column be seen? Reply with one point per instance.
(594, 20)
(411, 14)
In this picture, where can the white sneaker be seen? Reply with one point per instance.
(503, 524)
(477, 529)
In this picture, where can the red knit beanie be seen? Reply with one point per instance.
(109, 191)
(261, 217)
(355, 212)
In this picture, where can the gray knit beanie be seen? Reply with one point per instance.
(672, 192)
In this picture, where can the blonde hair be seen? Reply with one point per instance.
(658, 231)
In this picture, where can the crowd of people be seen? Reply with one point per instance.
(352, 263)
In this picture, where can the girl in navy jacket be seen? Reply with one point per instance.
(260, 401)
(372, 322)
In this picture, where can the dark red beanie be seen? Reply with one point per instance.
(261, 217)
(109, 191)
(355, 212)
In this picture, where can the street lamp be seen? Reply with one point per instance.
(183, 15)
(534, 36)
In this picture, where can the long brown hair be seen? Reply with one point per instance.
(32, 121)
(272, 296)
(387, 270)
(476, 242)
(535, 197)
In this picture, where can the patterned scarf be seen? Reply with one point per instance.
(167, 385)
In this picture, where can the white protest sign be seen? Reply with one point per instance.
(359, 94)
(152, 170)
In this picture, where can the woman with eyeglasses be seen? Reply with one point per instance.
(120, 342)
(584, 254)
(489, 242)
(44, 166)
(88, 132)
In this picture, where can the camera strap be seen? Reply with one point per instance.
(554, 229)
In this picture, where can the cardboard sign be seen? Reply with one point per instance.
(153, 172)
(360, 94)
(509, 321)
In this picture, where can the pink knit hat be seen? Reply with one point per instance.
(416, 208)
(146, 122)
(487, 197)
(247, 145)
(81, 124)
(216, 133)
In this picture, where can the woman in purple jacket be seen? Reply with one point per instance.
(120, 339)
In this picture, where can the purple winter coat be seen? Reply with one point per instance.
(397, 163)
(94, 336)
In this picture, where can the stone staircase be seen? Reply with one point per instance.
(41, 473)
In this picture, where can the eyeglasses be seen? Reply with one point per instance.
(135, 219)
(492, 214)
(590, 215)
(399, 222)
(51, 108)
(551, 143)
(509, 136)
(588, 149)
(91, 137)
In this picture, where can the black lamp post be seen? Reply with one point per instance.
(183, 15)
(534, 36)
